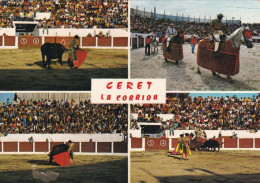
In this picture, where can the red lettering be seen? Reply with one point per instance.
(155, 97)
(124, 98)
(139, 85)
(108, 85)
(129, 85)
(137, 97)
(118, 97)
(109, 97)
(149, 84)
(131, 98)
(148, 97)
(142, 97)
(119, 85)
(102, 97)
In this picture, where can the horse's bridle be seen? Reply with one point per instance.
(247, 36)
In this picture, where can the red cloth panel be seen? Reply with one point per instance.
(10, 147)
(34, 41)
(88, 147)
(62, 159)
(120, 147)
(104, 147)
(156, 143)
(41, 147)
(26, 147)
(136, 142)
(104, 41)
(227, 64)
(9, 41)
(89, 41)
(245, 143)
(175, 53)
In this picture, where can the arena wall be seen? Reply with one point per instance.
(245, 140)
(118, 38)
(84, 143)
(226, 143)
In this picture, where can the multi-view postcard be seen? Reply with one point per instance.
(129, 91)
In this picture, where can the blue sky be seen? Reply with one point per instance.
(239, 95)
(4, 96)
(248, 10)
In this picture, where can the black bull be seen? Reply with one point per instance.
(57, 149)
(52, 51)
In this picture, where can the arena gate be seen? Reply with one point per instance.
(79, 147)
(170, 143)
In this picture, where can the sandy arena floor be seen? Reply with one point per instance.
(184, 77)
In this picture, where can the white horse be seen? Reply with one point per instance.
(155, 43)
(240, 36)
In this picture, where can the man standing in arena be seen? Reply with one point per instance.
(218, 29)
(70, 150)
(74, 44)
(147, 45)
(186, 146)
(193, 42)
(170, 33)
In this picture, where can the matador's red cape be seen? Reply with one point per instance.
(227, 64)
(81, 56)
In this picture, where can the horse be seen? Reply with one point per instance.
(228, 63)
(52, 51)
(176, 50)
(155, 43)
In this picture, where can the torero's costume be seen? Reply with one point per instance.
(218, 29)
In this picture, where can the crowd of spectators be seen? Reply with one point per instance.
(147, 25)
(67, 14)
(46, 116)
(211, 113)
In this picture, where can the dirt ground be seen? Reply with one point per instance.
(214, 167)
(90, 169)
(184, 77)
(21, 69)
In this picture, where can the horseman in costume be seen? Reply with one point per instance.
(170, 33)
(218, 29)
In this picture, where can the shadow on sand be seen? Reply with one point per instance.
(55, 79)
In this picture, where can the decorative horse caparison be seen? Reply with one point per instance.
(176, 48)
(228, 63)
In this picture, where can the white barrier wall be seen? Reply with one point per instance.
(209, 133)
(71, 32)
(63, 137)
(84, 32)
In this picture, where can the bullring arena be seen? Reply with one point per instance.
(155, 130)
(21, 61)
(100, 152)
(184, 76)
(26, 25)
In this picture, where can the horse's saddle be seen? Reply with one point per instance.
(223, 38)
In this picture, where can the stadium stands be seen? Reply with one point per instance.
(66, 14)
(212, 113)
(147, 25)
(45, 116)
